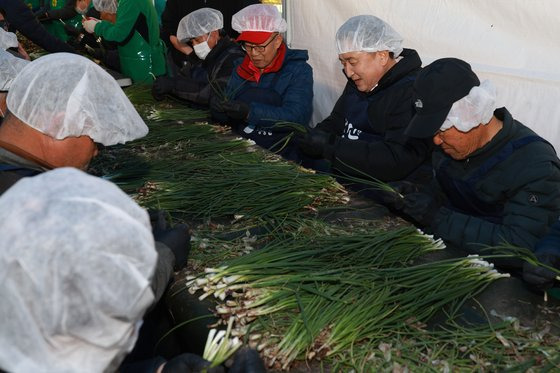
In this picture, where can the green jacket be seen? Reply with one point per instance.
(524, 185)
(141, 52)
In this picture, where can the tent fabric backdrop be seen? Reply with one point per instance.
(514, 43)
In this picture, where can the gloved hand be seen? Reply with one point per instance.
(189, 363)
(41, 13)
(314, 142)
(71, 30)
(162, 86)
(89, 24)
(178, 239)
(421, 207)
(237, 110)
(540, 277)
(247, 360)
(405, 187)
(157, 220)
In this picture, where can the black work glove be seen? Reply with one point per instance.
(178, 239)
(189, 363)
(247, 360)
(237, 110)
(421, 207)
(395, 199)
(157, 220)
(541, 277)
(162, 86)
(41, 13)
(71, 30)
(314, 142)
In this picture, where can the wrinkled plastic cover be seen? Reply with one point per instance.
(66, 95)
(8, 39)
(10, 66)
(366, 33)
(475, 108)
(198, 23)
(76, 263)
(259, 17)
(109, 6)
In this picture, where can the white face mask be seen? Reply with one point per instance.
(202, 49)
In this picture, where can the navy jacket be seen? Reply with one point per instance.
(21, 18)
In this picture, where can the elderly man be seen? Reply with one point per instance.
(497, 181)
(364, 134)
(272, 84)
(216, 52)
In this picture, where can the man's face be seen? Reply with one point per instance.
(364, 68)
(262, 54)
(83, 5)
(458, 145)
(211, 39)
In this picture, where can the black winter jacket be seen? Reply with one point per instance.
(21, 18)
(218, 67)
(524, 184)
(385, 153)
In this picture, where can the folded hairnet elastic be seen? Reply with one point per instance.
(109, 6)
(8, 39)
(76, 264)
(475, 108)
(200, 22)
(366, 33)
(259, 17)
(10, 66)
(66, 95)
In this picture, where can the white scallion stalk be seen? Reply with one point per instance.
(219, 346)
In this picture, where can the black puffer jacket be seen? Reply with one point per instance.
(380, 148)
(217, 67)
(21, 18)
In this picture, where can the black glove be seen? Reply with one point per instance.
(162, 86)
(71, 30)
(237, 110)
(157, 220)
(314, 142)
(178, 239)
(540, 277)
(247, 361)
(41, 13)
(189, 363)
(421, 207)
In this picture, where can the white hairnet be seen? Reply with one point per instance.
(76, 263)
(8, 39)
(10, 66)
(475, 108)
(200, 22)
(259, 17)
(367, 33)
(109, 6)
(66, 95)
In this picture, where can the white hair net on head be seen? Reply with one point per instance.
(475, 108)
(259, 17)
(8, 39)
(199, 22)
(109, 6)
(10, 66)
(76, 263)
(66, 95)
(367, 33)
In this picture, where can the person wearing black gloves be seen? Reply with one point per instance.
(547, 253)
(499, 179)
(180, 53)
(20, 18)
(217, 53)
(364, 134)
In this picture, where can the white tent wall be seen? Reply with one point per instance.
(514, 43)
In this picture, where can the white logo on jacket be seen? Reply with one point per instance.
(350, 132)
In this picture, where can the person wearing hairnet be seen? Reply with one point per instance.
(179, 53)
(9, 42)
(202, 28)
(496, 180)
(272, 84)
(10, 66)
(364, 134)
(63, 19)
(136, 29)
(77, 261)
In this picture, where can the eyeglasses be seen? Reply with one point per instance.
(258, 48)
